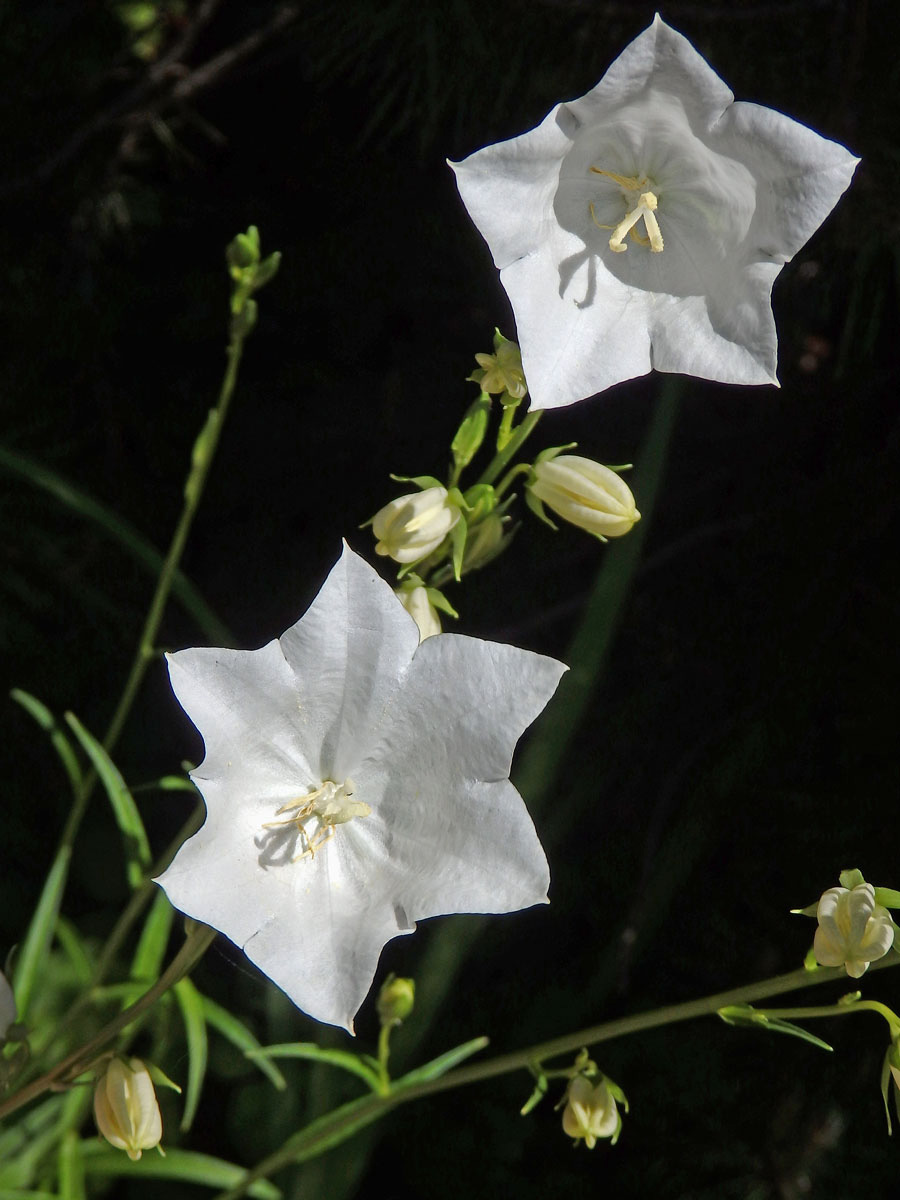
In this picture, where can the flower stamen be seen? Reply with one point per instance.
(645, 210)
(330, 805)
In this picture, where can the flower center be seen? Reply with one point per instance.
(644, 210)
(328, 806)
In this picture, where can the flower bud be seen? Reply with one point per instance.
(853, 930)
(395, 1000)
(8, 1012)
(125, 1107)
(585, 493)
(484, 542)
(410, 527)
(416, 602)
(590, 1111)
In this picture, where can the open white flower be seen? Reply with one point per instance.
(643, 225)
(355, 782)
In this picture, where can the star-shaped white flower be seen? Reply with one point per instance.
(643, 225)
(355, 782)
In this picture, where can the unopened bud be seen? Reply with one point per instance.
(410, 527)
(395, 1000)
(585, 493)
(416, 602)
(125, 1107)
(590, 1111)
(853, 930)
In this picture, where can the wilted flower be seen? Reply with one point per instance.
(355, 783)
(586, 493)
(125, 1107)
(8, 1011)
(590, 1111)
(412, 526)
(853, 930)
(416, 602)
(643, 225)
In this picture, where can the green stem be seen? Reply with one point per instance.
(197, 942)
(503, 457)
(335, 1127)
(834, 1010)
(193, 492)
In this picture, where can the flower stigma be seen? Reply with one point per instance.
(645, 210)
(329, 805)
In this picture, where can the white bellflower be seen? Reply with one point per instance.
(643, 225)
(355, 782)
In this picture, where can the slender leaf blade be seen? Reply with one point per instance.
(191, 1004)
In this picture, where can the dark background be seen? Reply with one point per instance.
(739, 750)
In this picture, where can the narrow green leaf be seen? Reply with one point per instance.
(33, 951)
(887, 897)
(333, 1058)
(151, 948)
(58, 739)
(30, 1128)
(745, 1016)
(137, 847)
(71, 1168)
(191, 1005)
(103, 1162)
(443, 1063)
(240, 1036)
(18, 1194)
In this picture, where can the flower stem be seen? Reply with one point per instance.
(503, 457)
(197, 942)
(335, 1127)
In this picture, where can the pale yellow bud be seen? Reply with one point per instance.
(412, 526)
(415, 601)
(503, 370)
(125, 1107)
(590, 1111)
(585, 493)
(853, 930)
(396, 1000)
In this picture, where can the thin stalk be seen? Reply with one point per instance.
(197, 942)
(343, 1122)
(503, 457)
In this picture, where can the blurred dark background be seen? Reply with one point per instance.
(740, 748)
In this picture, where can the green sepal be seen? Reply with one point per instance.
(540, 1091)
(745, 1016)
(421, 481)
(160, 1078)
(458, 547)
(479, 500)
(887, 897)
(810, 911)
(468, 438)
(538, 509)
(810, 962)
(267, 270)
(439, 601)
(886, 1080)
(851, 879)
(552, 452)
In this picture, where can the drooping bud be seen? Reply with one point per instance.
(125, 1107)
(410, 527)
(590, 1111)
(853, 930)
(486, 540)
(395, 1000)
(417, 603)
(585, 493)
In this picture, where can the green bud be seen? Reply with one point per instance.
(243, 251)
(395, 1000)
(468, 438)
